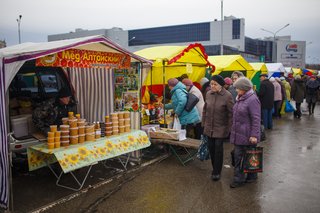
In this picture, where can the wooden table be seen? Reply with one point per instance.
(189, 145)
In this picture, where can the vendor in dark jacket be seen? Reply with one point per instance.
(266, 97)
(52, 112)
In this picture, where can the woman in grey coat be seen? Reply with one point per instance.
(245, 131)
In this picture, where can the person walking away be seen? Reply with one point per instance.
(194, 90)
(283, 95)
(287, 88)
(298, 89)
(266, 97)
(312, 88)
(277, 97)
(216, 120)
(245, 131)
(178, 101)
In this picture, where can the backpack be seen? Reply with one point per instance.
(192, 101)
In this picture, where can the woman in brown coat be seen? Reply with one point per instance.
(217, 121)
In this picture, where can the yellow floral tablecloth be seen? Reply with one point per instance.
(80, 155)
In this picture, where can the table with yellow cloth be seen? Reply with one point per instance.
(86, 154)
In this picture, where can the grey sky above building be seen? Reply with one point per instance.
(42, 18)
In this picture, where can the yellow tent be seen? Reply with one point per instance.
(177, 60)
(172, 62)
(296, 71)
(226, 64)
(259, 68)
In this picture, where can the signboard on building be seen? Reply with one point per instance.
(291, 53)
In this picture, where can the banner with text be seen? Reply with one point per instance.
(85, 59)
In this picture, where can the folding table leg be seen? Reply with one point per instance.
(188, 158)
(79, 183)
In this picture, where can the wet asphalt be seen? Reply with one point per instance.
(290, 181)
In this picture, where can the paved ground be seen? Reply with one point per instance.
(290, 181)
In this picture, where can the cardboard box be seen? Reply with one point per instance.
(168, 134)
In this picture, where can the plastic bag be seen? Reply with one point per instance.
(203, 151)
(289, 107)
(176, 123)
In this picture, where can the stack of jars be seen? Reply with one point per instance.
(81, 130)
(90, 134)
(108, 126)
(65, 139)
(127, 122)
(115, 123)
(97, 130)
(53, 137)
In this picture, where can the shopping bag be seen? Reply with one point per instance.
(176, 123)
(289, 107)
(203, 151)
(253, 160)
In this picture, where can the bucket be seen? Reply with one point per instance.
(20, 127)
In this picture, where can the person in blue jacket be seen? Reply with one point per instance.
(178, 101)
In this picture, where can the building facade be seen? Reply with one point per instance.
(291, 53)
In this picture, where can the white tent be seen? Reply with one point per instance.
(274, 69)
(12, 59)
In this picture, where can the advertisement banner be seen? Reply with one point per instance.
(291, 53)
(85, 59)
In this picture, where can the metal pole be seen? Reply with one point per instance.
(221, 45)
(164, 89)
(274, 46)
(19, 21)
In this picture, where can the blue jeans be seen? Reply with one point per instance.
(267, 118)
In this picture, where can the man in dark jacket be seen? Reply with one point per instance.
(52, 111)
(266, 96)
(298, 92)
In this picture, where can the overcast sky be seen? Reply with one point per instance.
(41, 18)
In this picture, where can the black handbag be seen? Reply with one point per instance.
(192, 101)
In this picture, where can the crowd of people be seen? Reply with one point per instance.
(231, 108)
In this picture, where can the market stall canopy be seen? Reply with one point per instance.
(172, 62)
(274, 69)
(15, 56)
(297, 71)
(12, 59)
(176, 55)
(259, 67)
(229, 63)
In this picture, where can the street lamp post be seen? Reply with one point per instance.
(19, 21)
(274, 52)
(221, 45)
